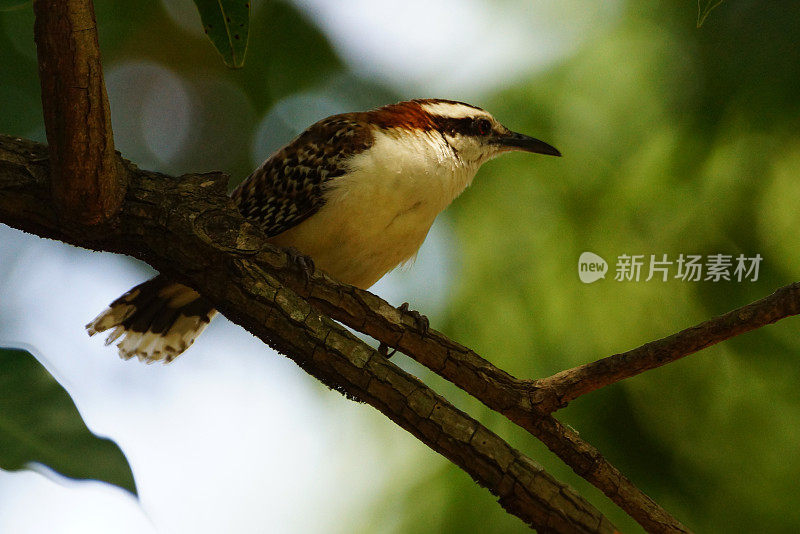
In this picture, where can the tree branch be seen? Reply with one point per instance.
(556, 391)
(190, 230)
(587, 462)
(86, 184)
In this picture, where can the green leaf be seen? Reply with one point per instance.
(703, 12)
(40, 423)
(227, 23)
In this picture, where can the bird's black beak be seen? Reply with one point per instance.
(517, 141)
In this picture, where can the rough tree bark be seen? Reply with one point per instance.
(77, 118)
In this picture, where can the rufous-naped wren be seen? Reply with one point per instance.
(355, 192)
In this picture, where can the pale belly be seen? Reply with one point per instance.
(358, 241)
(377, 216)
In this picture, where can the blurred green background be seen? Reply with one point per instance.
(676, 140)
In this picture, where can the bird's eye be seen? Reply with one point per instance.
(482, 126)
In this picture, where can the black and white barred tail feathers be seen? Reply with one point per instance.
(156, 320)
(159, 319)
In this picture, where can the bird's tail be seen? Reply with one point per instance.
(157, 320)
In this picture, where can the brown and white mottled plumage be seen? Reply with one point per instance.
(356, 192)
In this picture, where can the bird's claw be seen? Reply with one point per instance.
(422, 322)
(383, 350)
(303, 263)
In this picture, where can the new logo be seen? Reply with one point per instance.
(591, 267)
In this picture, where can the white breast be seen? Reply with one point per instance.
(378, 215)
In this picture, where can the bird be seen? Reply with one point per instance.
(355, 192)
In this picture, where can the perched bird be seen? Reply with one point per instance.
(355, 192)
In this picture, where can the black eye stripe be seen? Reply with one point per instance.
(482, 126)
(463, 126)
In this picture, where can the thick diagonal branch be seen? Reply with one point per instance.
(187, 228)
(86, 184)
(494, 387)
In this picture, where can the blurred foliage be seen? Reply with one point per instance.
(704, 9)
(227, 23)
(39, 424)
(675, 141)
(8, 5)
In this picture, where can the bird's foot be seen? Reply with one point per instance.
(383, 350)
(422, 322)
(303, 263)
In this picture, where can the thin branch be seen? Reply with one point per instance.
(556, 391)
(86, 183)
(587, 462)
(190, 230)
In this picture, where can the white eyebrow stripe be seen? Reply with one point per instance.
(454, 111)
